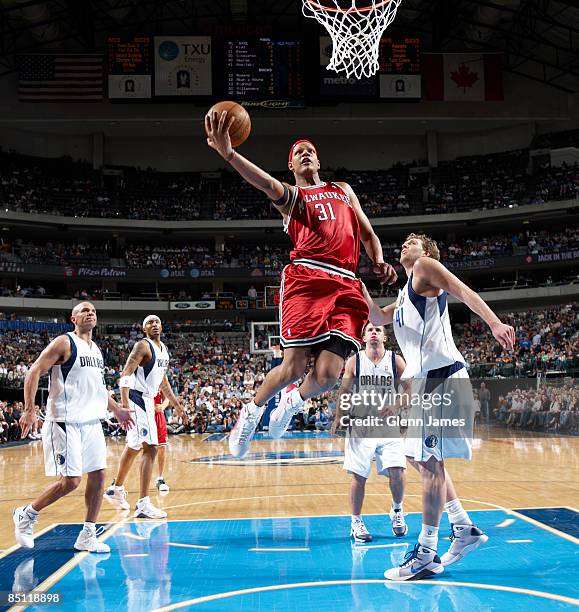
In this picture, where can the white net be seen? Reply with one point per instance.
(355, 32)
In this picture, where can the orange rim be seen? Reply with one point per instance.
(350, 10)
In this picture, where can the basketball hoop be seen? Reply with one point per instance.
(355, 32)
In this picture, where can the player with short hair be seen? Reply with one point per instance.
(372, 370)
(143, 375)
(422, 328)
(72, 434)
(322, 310)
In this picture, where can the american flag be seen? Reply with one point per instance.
(61, 78)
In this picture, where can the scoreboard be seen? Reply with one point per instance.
(400, 73)
(274, 72)
(129, 67)
(399, 56)
(262, 69)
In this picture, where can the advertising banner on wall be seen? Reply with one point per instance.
(199, 305)
(183, 66)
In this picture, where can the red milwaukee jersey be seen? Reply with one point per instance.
(159, 398)
(323, 227)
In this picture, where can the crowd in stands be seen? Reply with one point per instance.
(551, 408)
(269, 257)
(483, 182)
(214, 373)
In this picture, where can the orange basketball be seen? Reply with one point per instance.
(241, 127)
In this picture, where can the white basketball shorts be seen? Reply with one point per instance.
(360, 452)
(145, 428)
(430, 439)
(73, 449)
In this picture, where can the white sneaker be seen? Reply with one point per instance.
(87, 540)
(421, 562)
(162, 485)
(359, 532)
(464, 540)
(281, 417)
(145, 509)
(24, 527)
(399, 526)
(117, 496)
(242, 434)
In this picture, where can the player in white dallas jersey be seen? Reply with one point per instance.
(422, 328)
(72, 434)
(373, 375)
(143, 375)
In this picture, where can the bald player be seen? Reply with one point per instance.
(72, 434)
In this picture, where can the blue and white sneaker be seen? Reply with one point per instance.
(419, 563)
(464, 540)
(24, 527)
(399, 526)
(359, 532)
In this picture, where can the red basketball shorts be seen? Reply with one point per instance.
(316, 305)
(161, 423)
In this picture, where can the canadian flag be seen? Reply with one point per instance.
(465, 77)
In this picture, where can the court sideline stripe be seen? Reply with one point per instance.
(278, 587)
(66, 568)
(14, 547)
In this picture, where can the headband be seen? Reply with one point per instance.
(296, 143)
(148, 318)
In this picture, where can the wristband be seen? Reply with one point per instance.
(124, 382)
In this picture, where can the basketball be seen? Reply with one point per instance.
(241, 127)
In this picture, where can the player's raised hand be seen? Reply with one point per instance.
(217, 128)
(385, 273)
(504, 334)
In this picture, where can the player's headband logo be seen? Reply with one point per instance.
(295, 144)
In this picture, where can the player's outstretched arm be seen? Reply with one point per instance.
(344, 393)
(377, 315)
(58, 351)
(431, 274)
(217, 128)
(371, 242)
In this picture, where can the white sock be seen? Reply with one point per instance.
(457, 515)
(296, 399)
(356, 517)
(30, 510)
(428, 536)
(143, 499)
(160, 478)
(90, 527)
(397, 507)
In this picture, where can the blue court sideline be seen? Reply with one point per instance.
(307, 563)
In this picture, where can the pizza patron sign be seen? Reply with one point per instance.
(183, 66)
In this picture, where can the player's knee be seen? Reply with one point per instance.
(326, 376)
(293, 368)
(359, 480)
(70, 483)
(396, 474)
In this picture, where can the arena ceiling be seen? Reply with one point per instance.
(539, 38)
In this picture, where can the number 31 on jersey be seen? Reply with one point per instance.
(326, 211)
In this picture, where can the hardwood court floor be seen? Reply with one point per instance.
(303, 477)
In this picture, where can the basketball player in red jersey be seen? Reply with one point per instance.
(161, 402)
(322, 308)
